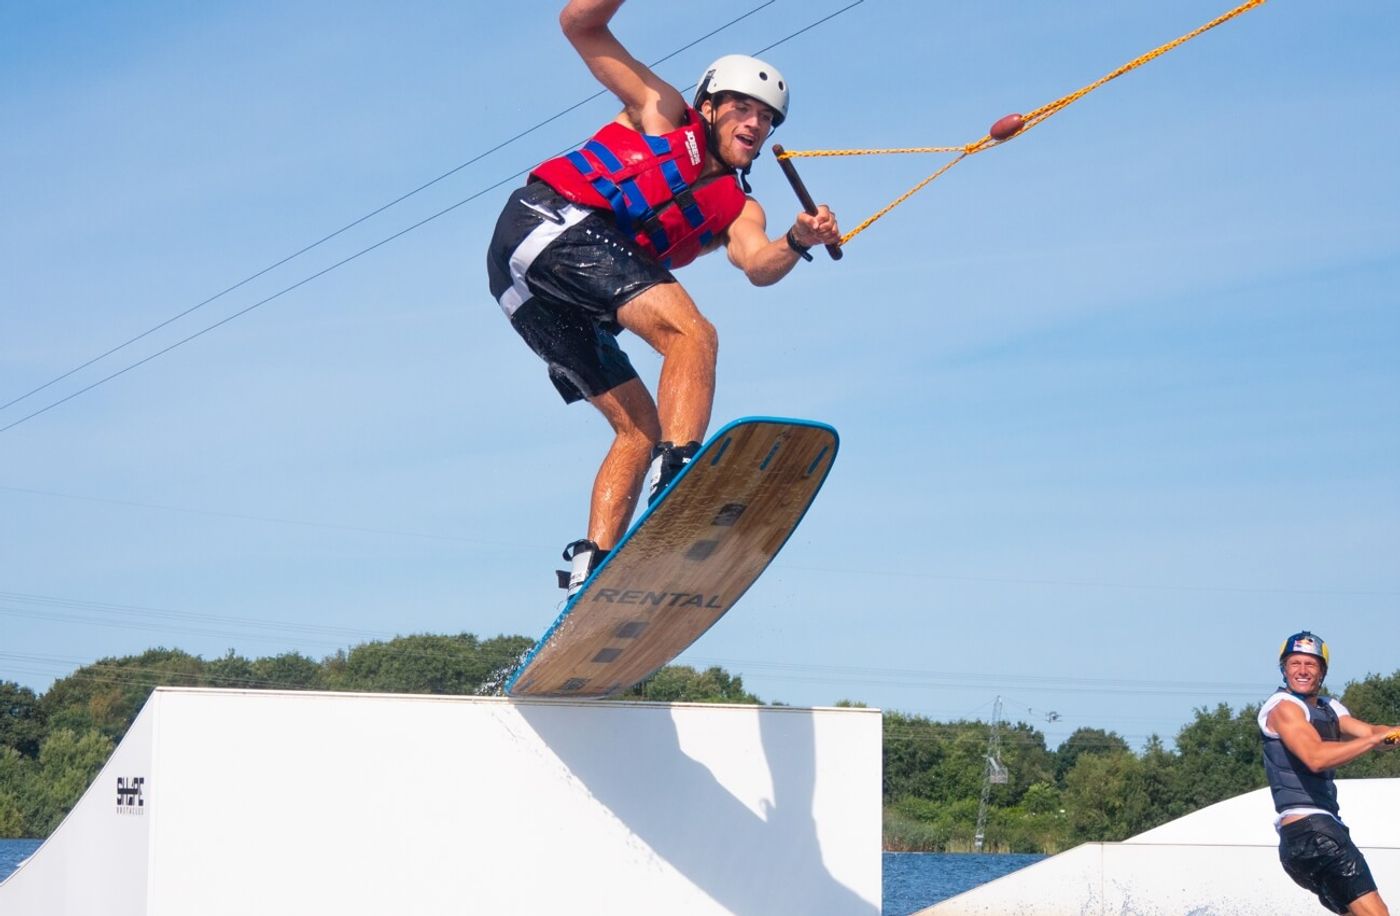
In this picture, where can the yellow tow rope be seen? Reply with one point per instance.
(1011, 125)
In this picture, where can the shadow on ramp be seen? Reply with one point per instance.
(751, 826)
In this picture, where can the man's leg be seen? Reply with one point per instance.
(632, 415)
(1319, 855)
(1369, 905)
(666, 318)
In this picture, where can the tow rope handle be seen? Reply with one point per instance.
(800, 189)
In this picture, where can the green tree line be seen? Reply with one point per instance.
(1092, 787)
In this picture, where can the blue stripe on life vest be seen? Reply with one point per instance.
(605, 188)
(613, 195)
(660, 241)
(637, 207)
(660, 146)
(693, 216)
(626, 200)
(672, 173)
(577, 160)
(605, 156)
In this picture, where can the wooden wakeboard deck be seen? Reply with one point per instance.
(685, 562)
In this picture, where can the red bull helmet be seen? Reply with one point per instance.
(1305, 643)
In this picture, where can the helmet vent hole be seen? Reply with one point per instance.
(762, 75)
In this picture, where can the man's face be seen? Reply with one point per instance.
(1303, 673)
(741, 126)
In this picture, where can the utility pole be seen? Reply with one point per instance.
(994, 773)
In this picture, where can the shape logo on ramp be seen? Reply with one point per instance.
(131, 797)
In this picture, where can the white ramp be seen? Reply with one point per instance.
(1219, 861)
(259, 802)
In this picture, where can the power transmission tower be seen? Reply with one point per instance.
(995, 773)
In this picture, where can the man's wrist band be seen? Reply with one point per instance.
(798, 247)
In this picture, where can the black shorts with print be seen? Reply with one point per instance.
(560, 272)
(1318, 854)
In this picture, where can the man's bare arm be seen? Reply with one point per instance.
(648, 102)
(766, 261)
(1307, 745)
(1355, 728)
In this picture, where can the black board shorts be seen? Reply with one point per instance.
(560, 272)
(1318, 854)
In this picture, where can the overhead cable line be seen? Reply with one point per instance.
(370, 215)
(892, 573)
(128, 611)
(164, 629)
(241, 312)
(269, 519)
(965, 678)
(1089, 583)
(362, 252)
(938, 680)
(917, 727)
(57, 609)
(106, 672)
(786, 567)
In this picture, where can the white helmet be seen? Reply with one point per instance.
(746, 76)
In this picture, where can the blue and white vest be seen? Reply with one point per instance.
(1297, 789)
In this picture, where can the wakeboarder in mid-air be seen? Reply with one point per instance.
(586, 248)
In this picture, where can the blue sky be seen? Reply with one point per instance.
(1119, 401)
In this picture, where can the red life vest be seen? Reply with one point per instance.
(649, 182)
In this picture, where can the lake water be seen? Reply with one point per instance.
(912, 880)
(13, 852)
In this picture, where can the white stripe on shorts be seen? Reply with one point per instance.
(529, 249)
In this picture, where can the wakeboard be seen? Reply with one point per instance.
(687, 560)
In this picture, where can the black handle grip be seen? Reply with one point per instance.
(803, 197)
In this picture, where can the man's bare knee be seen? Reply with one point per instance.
(630, 411)
(666, 317)
(696, 338)
(706, 335)
(632, 427)
(640, 439)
